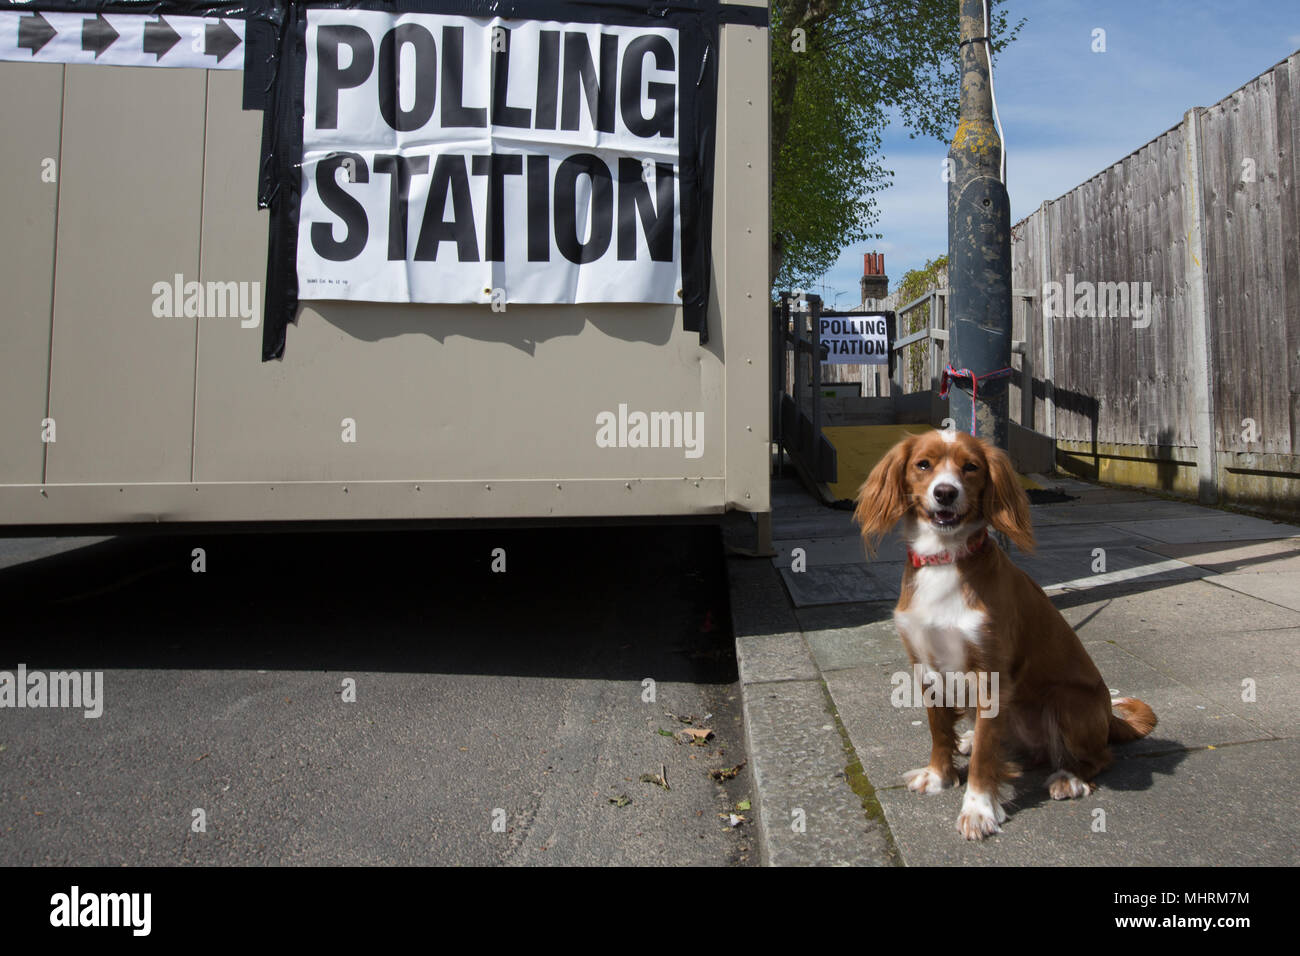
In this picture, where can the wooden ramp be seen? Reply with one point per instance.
(859, 447)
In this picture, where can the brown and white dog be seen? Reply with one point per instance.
(966, 609)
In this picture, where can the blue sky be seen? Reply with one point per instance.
(1068, 113)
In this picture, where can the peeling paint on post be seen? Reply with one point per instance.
(979, 243)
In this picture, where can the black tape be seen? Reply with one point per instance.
(261, 32)
(235, 9)
(283, 166)
(698, 79)
(891, 336)
(261, 39)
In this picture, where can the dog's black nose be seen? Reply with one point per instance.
(945, 494)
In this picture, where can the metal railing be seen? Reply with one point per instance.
(797, 414)
(796, 371)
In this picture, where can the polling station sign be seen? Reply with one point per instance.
(854, 339)
(449, 151)
(469, 160)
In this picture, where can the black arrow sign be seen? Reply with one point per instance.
(34, 32)
(97, 35)
(219, 40)
(159, 37)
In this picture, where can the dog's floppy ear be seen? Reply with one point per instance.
(1005, 504)
(883, 498)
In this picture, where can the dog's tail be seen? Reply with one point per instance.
(1133, 720)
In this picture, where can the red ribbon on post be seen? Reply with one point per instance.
(950, 374)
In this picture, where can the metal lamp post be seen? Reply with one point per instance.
(979, 248)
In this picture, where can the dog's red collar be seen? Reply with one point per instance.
(976, 543)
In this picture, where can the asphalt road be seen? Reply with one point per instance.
(498, 717)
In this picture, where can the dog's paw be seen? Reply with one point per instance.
(928, 780)
(1064, 785)
(965, 741)
(980, 815)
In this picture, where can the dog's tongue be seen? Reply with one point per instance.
(945, 515)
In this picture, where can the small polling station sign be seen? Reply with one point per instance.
(855, 339)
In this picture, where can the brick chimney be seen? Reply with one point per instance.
(875, 284)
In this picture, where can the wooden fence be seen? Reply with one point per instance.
(1158, 308)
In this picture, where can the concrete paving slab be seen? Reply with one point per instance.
(1177, 616)
(1062, 482)
(1092, 494)
(845, 549)
(1210, 640)
(830, 523)
(774, 657)
(889, 740)
(1186, 718)
(1227, 557)
(1219, 670)
(1210, 526)
(1276, 708)
(1095, 535)
(1072, 484)
(1073, 567)
(862, 643)
(1086, 512)
(1232, 806)
(1276, 587)
(808, 813)
(793, 499)
(842, 584)
(1158, 574)
(789, 510)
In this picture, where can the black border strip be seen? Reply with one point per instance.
(281, 181)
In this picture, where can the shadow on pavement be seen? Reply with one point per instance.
(607, 603)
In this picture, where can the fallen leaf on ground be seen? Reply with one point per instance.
(727, 773)
(659, 779)
(621, 800)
